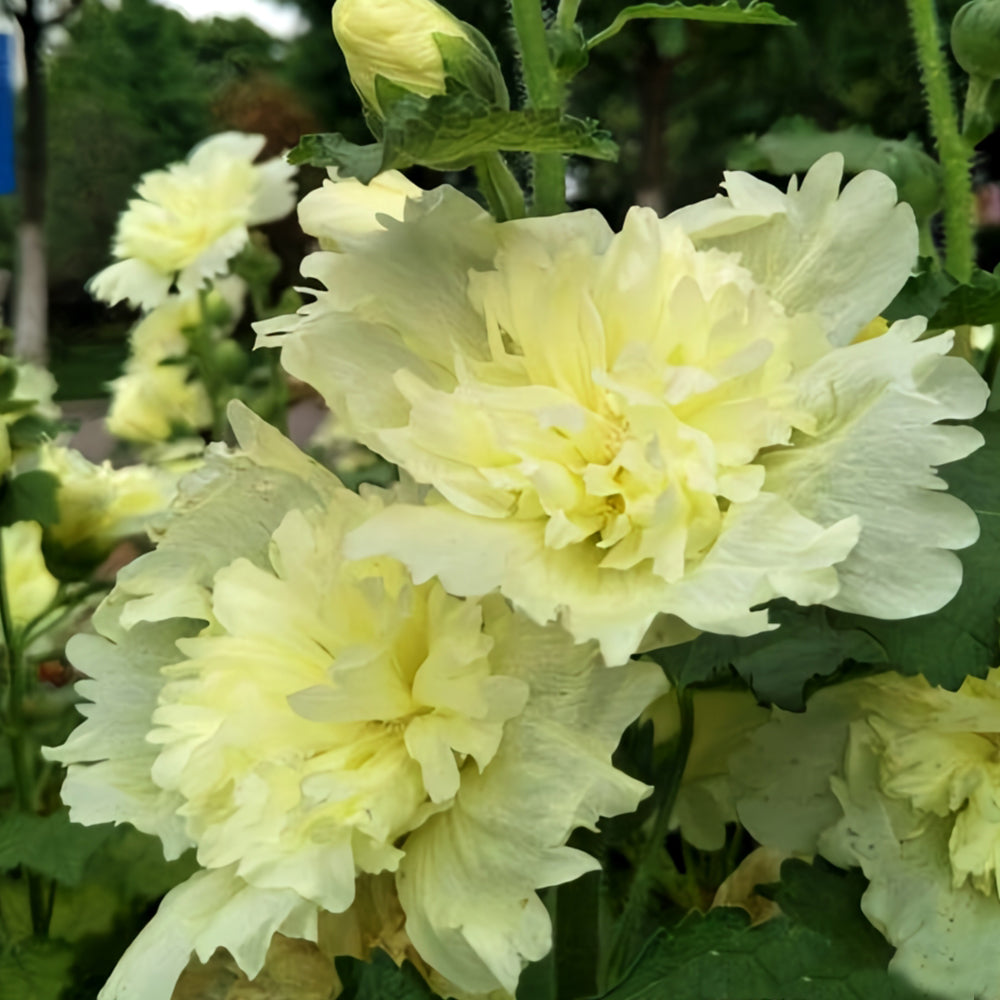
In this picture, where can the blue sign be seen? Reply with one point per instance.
(7, 57)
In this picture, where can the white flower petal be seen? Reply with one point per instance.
(468, 879)
(133, 280)
(344, 211)
(873, 454)
(843, 258)
(108, 756)
(211, 910)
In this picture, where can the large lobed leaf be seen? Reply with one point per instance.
(820, 948)
(451, 130)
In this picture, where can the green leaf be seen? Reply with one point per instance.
(778, 665)
(451, 130)
(35, 970)
(922, 295)
(50, 845)
(963, 638)
(381, 979)
(729, 12)
(32, 430)
(820, 948)
(795, 144)
(946, 303)
(31, 496)
(331, 149)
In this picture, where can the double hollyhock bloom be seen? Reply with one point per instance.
(191, 218)
(646, 433)
(307, 722)
(902, 780)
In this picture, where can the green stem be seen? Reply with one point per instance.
(200, 339)
(953, 151)
(977, 120)
(24, 778)
(502, 192)
(545, 91)
(650, 859)
(566, 14)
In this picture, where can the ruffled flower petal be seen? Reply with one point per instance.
(840, 255)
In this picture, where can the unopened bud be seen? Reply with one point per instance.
(402, 41)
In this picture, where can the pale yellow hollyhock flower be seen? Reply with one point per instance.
(665, 426)
(903, 780)
(157, 403)
(31, 588)
(395, 39)
(100, 505)
(301, 719)
(191, 218)
(152, 401)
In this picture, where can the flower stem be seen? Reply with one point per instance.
(651, 858)
(545, 92)
(953, 151)
(502, 192)
(200, 340)
(24, 778)
(566, 15)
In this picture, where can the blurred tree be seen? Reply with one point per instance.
(131, 89)
(31, 295)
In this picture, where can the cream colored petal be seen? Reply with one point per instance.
(944, 937)
(468, 879)
(275, 195)
(132, 280)
(781, 773)
(212, 909)
(344, 211)
(410, 280)
(843, 258)
(108, 756)
(873, 454)
(226, 146)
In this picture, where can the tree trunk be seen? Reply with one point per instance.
(653, 81)
(31, 289)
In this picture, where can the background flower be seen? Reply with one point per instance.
(901, 779)
(191, 218)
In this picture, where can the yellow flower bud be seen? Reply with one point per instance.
(399, 40)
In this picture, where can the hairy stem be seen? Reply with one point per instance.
(953, 151)
(545, 91)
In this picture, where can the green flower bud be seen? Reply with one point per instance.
(975, 38)
(417, 45)
(231, 360)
